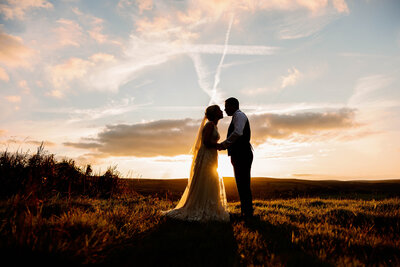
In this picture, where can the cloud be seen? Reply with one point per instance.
(113, 108)
(16, 9)
(167, 32)
(291, 79)
(69, 33)
(4, 75)
(13, 52)
(294, 75)
(96, 34)
(27, 141)
(73, 68)
(13, 98)
(145, 5)
(217, 7)
(341, 6)
(24, 85)
(55, 93)
(295, 25)
(94, 27)
(157, 138)
(101, 57)
(142, 5)
(175, 137)
(256, 91)
(62, 75)
(368, 91)
(143, 54)
(158, 24)
(285, 126)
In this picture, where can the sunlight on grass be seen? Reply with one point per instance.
(125, 230)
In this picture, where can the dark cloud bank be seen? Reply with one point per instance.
(175, 137)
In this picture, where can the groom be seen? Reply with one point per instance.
(240, 151)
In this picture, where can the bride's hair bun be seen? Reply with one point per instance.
(211, 112)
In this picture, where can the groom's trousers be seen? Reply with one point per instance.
(242, 169)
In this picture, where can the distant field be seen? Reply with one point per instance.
(274, 188)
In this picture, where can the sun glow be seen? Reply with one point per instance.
(225, 168)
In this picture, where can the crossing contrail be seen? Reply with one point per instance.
(218, 72)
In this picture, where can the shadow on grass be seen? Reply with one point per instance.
(178, 243)
(278, 240)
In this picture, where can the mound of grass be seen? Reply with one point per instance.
(40, 175)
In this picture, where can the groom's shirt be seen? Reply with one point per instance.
(239, 120)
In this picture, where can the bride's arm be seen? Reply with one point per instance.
(207, 136)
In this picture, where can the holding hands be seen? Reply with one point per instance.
(220, 146)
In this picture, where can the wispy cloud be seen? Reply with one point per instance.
(111, 109)
(292, 78)
(27, 141)
(295, 26)
(218, 7)
(77, 115)
(367, 91)
(16, 9)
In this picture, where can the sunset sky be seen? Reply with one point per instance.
(125, 83)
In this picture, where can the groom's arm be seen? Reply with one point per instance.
(239, 121)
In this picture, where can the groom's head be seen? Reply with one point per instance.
(231, 105)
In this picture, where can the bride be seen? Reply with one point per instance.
(204, 198)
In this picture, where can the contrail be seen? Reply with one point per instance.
(202, 74)
(218, 72)
(251, 50)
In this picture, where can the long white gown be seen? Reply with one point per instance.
(204, 198)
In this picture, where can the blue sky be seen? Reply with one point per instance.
(126, 82)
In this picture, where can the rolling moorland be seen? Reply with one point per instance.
(55, 213)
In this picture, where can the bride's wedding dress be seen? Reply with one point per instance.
(204, 198)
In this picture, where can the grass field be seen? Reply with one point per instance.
(359, 226)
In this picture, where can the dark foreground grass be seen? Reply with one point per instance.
(130, 232)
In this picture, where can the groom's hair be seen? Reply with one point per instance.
(232, 102)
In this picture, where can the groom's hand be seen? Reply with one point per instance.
(220, 146)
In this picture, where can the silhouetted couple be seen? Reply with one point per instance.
(204, 198)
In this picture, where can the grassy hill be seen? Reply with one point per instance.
(274, 188)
